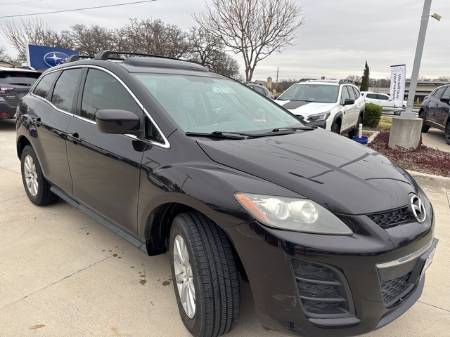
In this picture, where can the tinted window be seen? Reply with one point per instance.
(438, 93)
(102, 91)
(383, 97)
(18, 77)
(357, 93)
(352, 93)
(446, 93)
(45, 84)
(66, 88)
(372, 96)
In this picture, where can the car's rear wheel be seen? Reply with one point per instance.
(354, 131)
(425, 127)
(36, 186)
(336, 127)
(447, 132)
(205, 276)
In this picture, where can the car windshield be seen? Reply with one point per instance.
(207, 104)
(320, 93)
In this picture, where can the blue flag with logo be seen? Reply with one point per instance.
(43, 57)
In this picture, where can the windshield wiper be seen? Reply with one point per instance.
(218, 135)
(294, 128)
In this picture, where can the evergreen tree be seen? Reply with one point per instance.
(365, 78)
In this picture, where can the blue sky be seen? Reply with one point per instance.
(336, 37)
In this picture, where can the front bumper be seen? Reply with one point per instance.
(368, 290)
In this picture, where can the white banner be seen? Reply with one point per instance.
(398, 77)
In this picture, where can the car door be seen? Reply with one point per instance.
(442, 111)
(384, 101)
(105, 167)
(434, 104)
(52, 115)
(346, 109)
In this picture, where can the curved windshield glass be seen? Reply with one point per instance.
(207, 104)
(319, 93)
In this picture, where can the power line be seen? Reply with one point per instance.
(76, 9)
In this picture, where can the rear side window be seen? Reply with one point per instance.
(45, 85)
(102, 91)
(383, 97)
(66, 88)
(372, 96)
(438, 93)
(446, 94)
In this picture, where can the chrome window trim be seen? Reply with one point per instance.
(165, 145)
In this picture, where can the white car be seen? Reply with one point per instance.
(382, 100)
(333, 105)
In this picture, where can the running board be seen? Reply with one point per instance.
(99, 219)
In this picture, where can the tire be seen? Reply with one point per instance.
(215, 277)
(425, 127)
(336, 127)
(447, 132)
(36, 186)
(354, 131)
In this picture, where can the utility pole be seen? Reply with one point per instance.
(278, 71)
(417, 59)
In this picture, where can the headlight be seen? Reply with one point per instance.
(300, 215)
(319, 117)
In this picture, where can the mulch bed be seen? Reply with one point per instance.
(424, 159)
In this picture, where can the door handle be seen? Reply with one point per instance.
(37, 121)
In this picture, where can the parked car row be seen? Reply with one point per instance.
(382, 100)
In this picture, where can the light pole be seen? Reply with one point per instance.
(406, 129)
(417, 59)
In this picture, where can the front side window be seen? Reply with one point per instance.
(446, 94)
(344, 95)
(357, 93)
(372, 96)
(208, 104)
(383, 97)
(45, 85)
(319, 93)
(102, 91)
(438, 93)
(66, 89)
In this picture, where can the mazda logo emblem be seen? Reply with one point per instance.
(418, 208)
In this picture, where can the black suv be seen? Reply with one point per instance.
(328, 233)
(435, 111)
(14, 84)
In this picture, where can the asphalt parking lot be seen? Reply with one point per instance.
(62, 274)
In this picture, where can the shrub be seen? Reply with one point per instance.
(372, 115)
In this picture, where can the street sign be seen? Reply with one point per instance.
(43, 57)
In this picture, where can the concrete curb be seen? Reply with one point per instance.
(431, 180)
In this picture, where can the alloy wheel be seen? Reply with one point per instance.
(31, 176)
(183, 276)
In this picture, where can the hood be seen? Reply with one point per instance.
(329, 169)
(306, 108)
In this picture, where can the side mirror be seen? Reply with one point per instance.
(117, 121)
(349, 101)
(445, 100)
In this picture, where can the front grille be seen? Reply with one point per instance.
(393, 217)
(321, 290)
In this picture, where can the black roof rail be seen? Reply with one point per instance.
(346, 81)
(76, 57)
(142, 59)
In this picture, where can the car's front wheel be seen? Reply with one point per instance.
(336, 127)
(36, 186)
(205, 276)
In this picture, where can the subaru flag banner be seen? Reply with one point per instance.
(43, 57)
(398, 77)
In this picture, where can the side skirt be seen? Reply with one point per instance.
(99, 219)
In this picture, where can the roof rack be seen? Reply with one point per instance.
(76, 57)
(142, 59)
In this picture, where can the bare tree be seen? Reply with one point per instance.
(209, 50)
(253, 28)
(153, 37)
(33, 32)
(90, 40)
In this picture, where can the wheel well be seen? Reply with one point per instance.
(21, 143)
(157, 230)
(338, 120)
